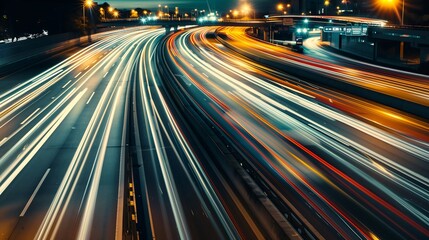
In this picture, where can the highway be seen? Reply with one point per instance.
(351, 167)
(70, 132)
(63, 145)
(168, 136)
(402, 85)
(181, 201)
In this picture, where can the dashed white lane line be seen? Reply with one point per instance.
(89, 100)
(34, 193)
(65, 85)
(78, 74)
(31, 115)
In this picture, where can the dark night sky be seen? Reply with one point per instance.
(28, 16)
(417, 10)
(61, 15)
(223, 5)
(182, 4)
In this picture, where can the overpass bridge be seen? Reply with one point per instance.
(264, 27)
(370, 38)
(272, 21)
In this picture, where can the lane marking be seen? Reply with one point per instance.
(3, 141)
(34, 193)
(65, 85)
(105, 74)
(31, 115)
(205, 75)
(78, 74)
(86, 67)
(89, 100)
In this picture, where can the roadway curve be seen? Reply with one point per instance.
(69, 135)
(398, 89)
(325, 152)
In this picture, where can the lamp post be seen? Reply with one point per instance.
(235, 13)
(88, 3)
(394, 4)
(402, 44)
(326, 3)
(247, 8)
(168, 11)
(280, 7)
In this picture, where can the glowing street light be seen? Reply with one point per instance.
(393, 4)
(282, 7)
(235, 13)
(102, 14)
(387, 3)
(246, 9)
(89, 4)
(326, 3)
(133, 13)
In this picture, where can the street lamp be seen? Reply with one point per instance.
(168, 10)
(246, 9)
(280, 7)
(326, 3)
(235, 13)
(102, 13)
(393, 4)
(87, 3)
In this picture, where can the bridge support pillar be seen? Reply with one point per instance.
(266, 35)
(375, 51)
(167, 29)
(175, 28)
(424, 59)
(325, 36)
